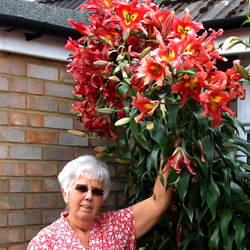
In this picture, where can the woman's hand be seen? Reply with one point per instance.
(149, 211)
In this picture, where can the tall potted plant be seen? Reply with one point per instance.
(147, 81)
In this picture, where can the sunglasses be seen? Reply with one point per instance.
(83, 189)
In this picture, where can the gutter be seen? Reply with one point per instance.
(34, 29)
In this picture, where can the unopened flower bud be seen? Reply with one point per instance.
(119, 58)
(150, 126)
(105, 110)
(167, 25)
(101, 63)
(78, 96)
(75, 112)
(125, 160)
(114, 79)
(76, 132)
(126, 35)
(99, 149)
(144, 52)
(122, 121)
(105, 40)
(101, 155)
(242, 71)
(231, 42)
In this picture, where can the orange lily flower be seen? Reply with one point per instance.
(146, 106)
(182, 26)
(214, 102)
(177, 158)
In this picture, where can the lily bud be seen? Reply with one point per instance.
(99, 149)
(77, 133)
(242, 71)
(123, 121)
(167, 25)
(105, 110)
(231, 42)
(101, 155)
(78, 96)
(105, 40)
(126, 35)
(119, 58)
(101, 63)
(145, 52)
(75, 112)
(114, 79)
(125, 160)
(150, 126)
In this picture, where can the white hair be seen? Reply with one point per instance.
(88, 166)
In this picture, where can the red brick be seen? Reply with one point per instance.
(84, 151)
(3, 152)
(117, 186)
(41, 201)
(96, 142)
(66, 77)
(51, 186)
(78, 125)
(3, 117)
(18, 247)
(72, 140)
(3, 185)
(59, 90)
(65, 107)
(24, 218)
(110, 201)
(51, 216)
(11, 169)
(57, 122)
(12, 135)
(25, 152)
(61, 204)
(27, 86)
(25, 119)
(59, 154)
(31, 232)
(11, 202)
(12, 67)
(3, 220)
(41, 103)
(25, 185)
(42, 72)
(37, 136)
(4, 83)
(12, 101)
(11, 235)
(41, 169)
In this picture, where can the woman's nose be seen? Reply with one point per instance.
(88, 194)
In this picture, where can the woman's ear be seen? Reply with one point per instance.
(64, 196)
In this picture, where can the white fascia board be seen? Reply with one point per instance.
(42, 47)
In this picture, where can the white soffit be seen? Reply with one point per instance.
(42, 47)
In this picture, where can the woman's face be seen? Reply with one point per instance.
(83, 205)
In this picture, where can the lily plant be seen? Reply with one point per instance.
(148, 84)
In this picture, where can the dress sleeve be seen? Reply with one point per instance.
(37, 244)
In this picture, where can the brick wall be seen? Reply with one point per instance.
(35, 99)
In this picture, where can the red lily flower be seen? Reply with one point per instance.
(182, 26)
(179, 236)
(153, 69)
(94, 5)
(146, 106)
(130, 13)
(215, 101)
(177, 158)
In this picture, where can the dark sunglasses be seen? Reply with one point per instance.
(83, 189)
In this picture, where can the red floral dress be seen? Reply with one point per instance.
(114, 230)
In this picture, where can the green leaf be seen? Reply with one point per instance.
(172, 118)
(182, 185)
(158, 133)
(212, 201)
(190, 211)
(225, 221)
(226, 179)
(173, 178)
(239, 233)
(214, 239)
(204, 187)
(208, 146)
(202, 121)
(154, 155)
(203, 165)
(123, 89)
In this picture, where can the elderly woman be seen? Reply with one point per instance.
(85, 184)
